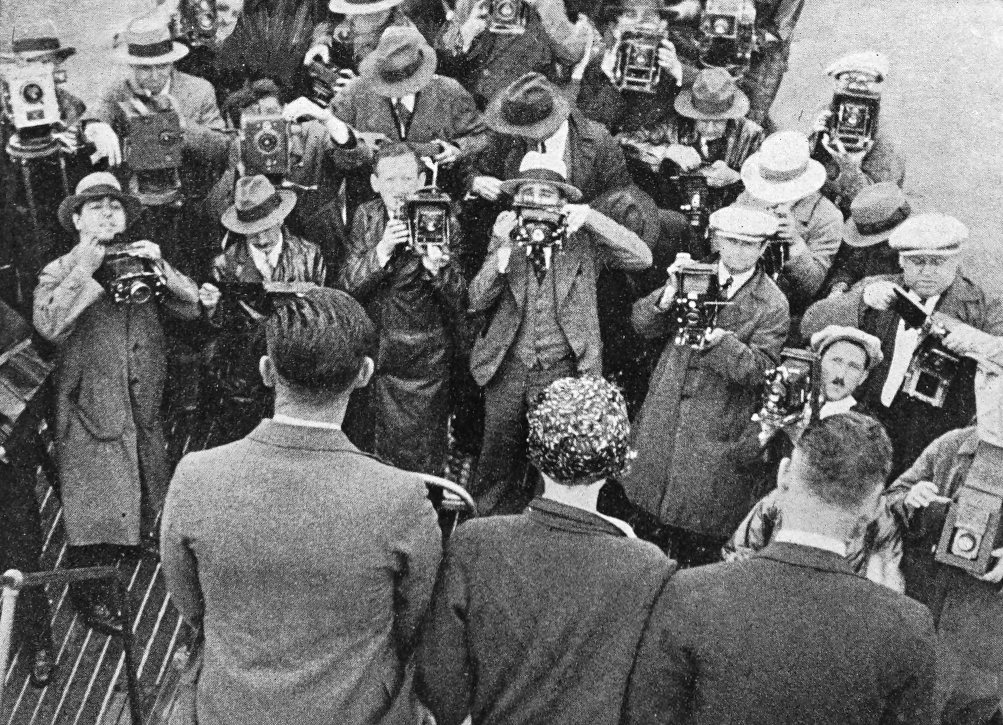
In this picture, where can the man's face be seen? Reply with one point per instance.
(739, 255)
(857, 81)
(844, 368)
(539, 193)
(100, 219)
(227, 12)
(711, 130)
(368, 23)
(396, 179)
(929, 275)
(267, 106)
(266, 239)
(152, 78)
(640, 17)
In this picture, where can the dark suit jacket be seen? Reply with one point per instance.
(309, 566)
(536, 619)
(789, 636)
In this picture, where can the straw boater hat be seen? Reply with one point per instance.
(741, 222)
(782, 170)
(875, 213)
(531, 108)
(868, 61)
(34, 41)
(401, 64)
(540, 167)
(925, 234)
(147, 41)
(257, 206)
(828, 336)
(97, 186)
(361, 7)
(714, 96)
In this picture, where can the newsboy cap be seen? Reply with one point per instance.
(868, 61)
(929, 234)
(740, 222)
(828, 336)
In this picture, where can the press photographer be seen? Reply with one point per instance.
(109, 440)
(401, 267)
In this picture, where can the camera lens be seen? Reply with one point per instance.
(267, 142)
(140, 293)
(965, 542)
(505, 10)
(32, 93)
(721, 27)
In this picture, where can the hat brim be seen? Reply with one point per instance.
(781, 193)
(684, 107)
(573, 193)
(71, 204)
(538, 131)
(874, 355)
(231, 222)
(345, 8)
(178, 51)
(421, 78)
(853, 237)
(59, 54)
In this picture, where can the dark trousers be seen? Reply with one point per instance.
(99, 591)
(499, 485)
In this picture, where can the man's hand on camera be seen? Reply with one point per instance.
(394, 235)
(995, 575)
(712, 338)
(685, 157)
(146, 248)
(822, 120)
(434, 259)
(106, 145)
(879, 295)
(486, 187)
(475, 24)
(847, 160)
(209, 296)
(668, 61)
(576, 216)
(923, 494)
(450, 154)
(90, 254)
(303, 107)
(503, 227)
(719, 175)
(319, 53)
(788, 230)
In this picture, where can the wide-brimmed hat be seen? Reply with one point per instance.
(827, 336)
(147, 41)
(714, 96)
(402, 63)
(531, 107)
(874, 214)
(541, 167)
(97, 186)
(782, 170)
(257, 206)
(925, 234)
(34, 40)
(361, 7)
(868, 61)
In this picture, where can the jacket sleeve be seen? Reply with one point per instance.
(362, 272)
(924, 469)
(882, 163)
(468, 129)
(567, 40)
(745, 364)
(808, 271)
(178, 561)
(204, 134)
(915, 700)
(755, 531)
(487, 286)
(64, 291)
(444, 673)
(620, 248)
(648, 320)
(183, 298)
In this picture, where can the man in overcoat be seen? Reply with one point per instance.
(110, 447)
(700, 401)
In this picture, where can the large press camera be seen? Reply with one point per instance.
(428, 220)
(195, 22)
(265, 144)
(696, 303)
(507, 17)
(793, 390)
(727, 34)
(152, 150)
(29, 95)
(636, 67)
(129, 277)
(933, 367)
(853, 118)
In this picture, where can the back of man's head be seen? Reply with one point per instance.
(843, 460)
(319, 341)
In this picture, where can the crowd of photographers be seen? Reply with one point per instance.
(525, 197)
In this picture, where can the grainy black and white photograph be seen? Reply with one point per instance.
(501, 362)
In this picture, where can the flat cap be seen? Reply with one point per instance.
(868, 61)
(826, 337)
(740, 222)
(929, 234)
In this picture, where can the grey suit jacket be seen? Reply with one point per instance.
(309, 566)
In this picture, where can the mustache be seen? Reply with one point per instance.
(841, 382)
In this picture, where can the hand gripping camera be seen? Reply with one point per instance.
(29, 94)
(793, 388)
(854, 118)
(195, 21)
(428, 212)
(130, 278)
(696, 303)
(728, 34)
(636, 68)
(507, 17)
(933, 367)
(265, 143)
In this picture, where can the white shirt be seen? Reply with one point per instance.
(408, 101)
(555, 145)
(266, 262)
(905, 346)
(737, 280)
(302, 422)
(835, 407)
(815, 541)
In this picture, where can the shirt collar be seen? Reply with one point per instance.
(556, 143)
(408, 101)
(835, 407)
(303, 423)
(271, 257)
(737, 280)
(811, 539)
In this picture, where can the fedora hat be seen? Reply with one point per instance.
(36, 40)
(540, 167)
(361, 7)
(402, 63)
(782, 170)
(875, 213)
(257, 206)
(531, 107)
(147, 41)
(97, 186)
(714, 96)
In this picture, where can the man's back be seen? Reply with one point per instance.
(299, 546)
(789, 636)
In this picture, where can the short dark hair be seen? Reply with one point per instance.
(395, 150)
(843, 457)
(250, 94)
(318, 341)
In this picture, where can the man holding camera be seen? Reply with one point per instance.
(703, 393)
(417, 297)
(110, 447)
(928, 246)
(537, 288)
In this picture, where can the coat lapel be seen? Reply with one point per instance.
(566, 265)
(243, 266)
(518, 269)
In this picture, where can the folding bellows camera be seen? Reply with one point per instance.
(696, 303)
(428, 219)
(130, 278)
(792, 388)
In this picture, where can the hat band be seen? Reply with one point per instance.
(711, 105)
(520, 113)
(29, 45)
(884, 225)
(151, 50)
(100, 190)
(262, 210)
(402, 73)
(541, 175)
(781, 176)
(953, 248)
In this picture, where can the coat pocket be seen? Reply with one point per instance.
(100, 408)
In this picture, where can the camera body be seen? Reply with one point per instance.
(972, 525)
(636, 68)
(507, 17)
(323, 80)
(29, 94)
(792, 387)
(540, 228)
(428, 220)
(932, 368)
(195, 21)
(130, 278)
(265, 144)
(854, 119)
(153, 140)
(696, 303)
(728, 33)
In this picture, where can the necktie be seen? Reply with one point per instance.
(403, 117)
(541, 147)
(538, 259)
(726, 288)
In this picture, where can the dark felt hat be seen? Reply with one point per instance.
(532, 107)
(714, 96)
(257, 206)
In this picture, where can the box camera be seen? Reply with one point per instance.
(264, 144)
(30, 95)
(195, 21)
(972, 524)
(428, 213)
(636, 68)
(854, 119)
(696, 303)
(153, 139)
(130, 278)
(323, 81)
(792, 387)
(933, 367)
(507, 17)
(728, 33)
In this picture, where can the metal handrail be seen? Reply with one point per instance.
(13, 581)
